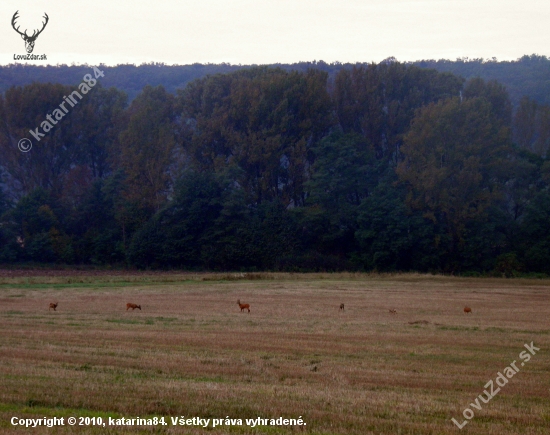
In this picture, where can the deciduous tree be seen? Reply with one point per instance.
(455, 162)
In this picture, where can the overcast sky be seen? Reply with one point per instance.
(275, 31)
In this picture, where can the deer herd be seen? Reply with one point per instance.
(243, 307)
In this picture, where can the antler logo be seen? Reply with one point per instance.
(29, 40)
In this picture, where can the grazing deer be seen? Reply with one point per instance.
(52, 305)
(467, 310)
(243, 306)
(132, 306)
(341, 307)
(393, 311)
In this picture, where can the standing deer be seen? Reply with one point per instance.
(29, 40)
(132, 306)
(52, 305)
(243, 306)
(341, 307)
(467, 310)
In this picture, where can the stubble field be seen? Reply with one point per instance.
(191, 352)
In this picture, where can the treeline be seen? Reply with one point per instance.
(525, 77)
(382, 167)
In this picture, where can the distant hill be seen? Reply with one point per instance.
(528, 76)
(129, 78)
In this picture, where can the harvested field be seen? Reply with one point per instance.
(191, 352)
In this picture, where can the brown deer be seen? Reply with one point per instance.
(341, 307)
(132, 306)
(393, 311)
(467, 310)
(243, 306)
(52, 305)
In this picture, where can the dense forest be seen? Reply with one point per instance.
(388, 166)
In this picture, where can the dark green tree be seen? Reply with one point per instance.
(532, 127)
(495, 94)
(342, 176)
(455, 164)
(534, 237)
(98, 236)
(10, 250)
(38, 231)
(98, 121)
(261, 120)
(174, 236)
(146, 150)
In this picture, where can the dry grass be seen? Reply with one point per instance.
(191, 352)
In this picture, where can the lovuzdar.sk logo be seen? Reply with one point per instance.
(29, 40)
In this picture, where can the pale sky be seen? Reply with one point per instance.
(269, 31)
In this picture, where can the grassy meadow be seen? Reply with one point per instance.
(191, 352)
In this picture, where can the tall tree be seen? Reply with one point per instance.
(532, 127)
(263, 121)
(98, 121)
(146, 150)
(25, 109)
(343, 174)
(495, 94)
(61, 139)
(379, 101)
(455, 162)
(390, 237)
(175, 236)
